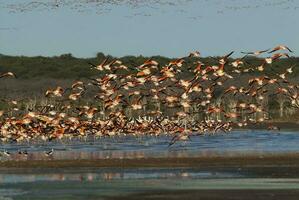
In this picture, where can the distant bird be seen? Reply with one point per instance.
(102, 66)
(182, 136)
(6, 153)
(273, 128)
(290, 69)
(194, 54)
(58, 92)
(8, 74)
(25, 153)
(280, 47)
(255, 53)
(56, 4)
(49, 153)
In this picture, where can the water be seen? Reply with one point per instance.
(101, 189)
(242, 142)
(102, 183)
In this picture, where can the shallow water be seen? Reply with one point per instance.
(101, 183)
(236, 142)
(101, 189)
(107, 174)
(92, 183)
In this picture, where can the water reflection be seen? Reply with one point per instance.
(131, 147)
(115, 174)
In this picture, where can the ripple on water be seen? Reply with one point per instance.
(147, 146)
(7, 194)
(96, 175)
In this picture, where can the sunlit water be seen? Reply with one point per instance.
(242, 142)
(98, 183)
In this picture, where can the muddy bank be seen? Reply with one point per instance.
(213, 195)
(267, 159)
(267, 165)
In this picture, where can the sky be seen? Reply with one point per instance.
(170, 28)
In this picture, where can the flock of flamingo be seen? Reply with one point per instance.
(178, 99)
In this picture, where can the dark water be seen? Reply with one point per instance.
(105, 183)
(101, 183)
(252, 141)
(95, 186)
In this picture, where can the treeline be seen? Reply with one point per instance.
(61, 67)
(67, 66)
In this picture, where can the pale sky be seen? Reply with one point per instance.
(149, 27)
